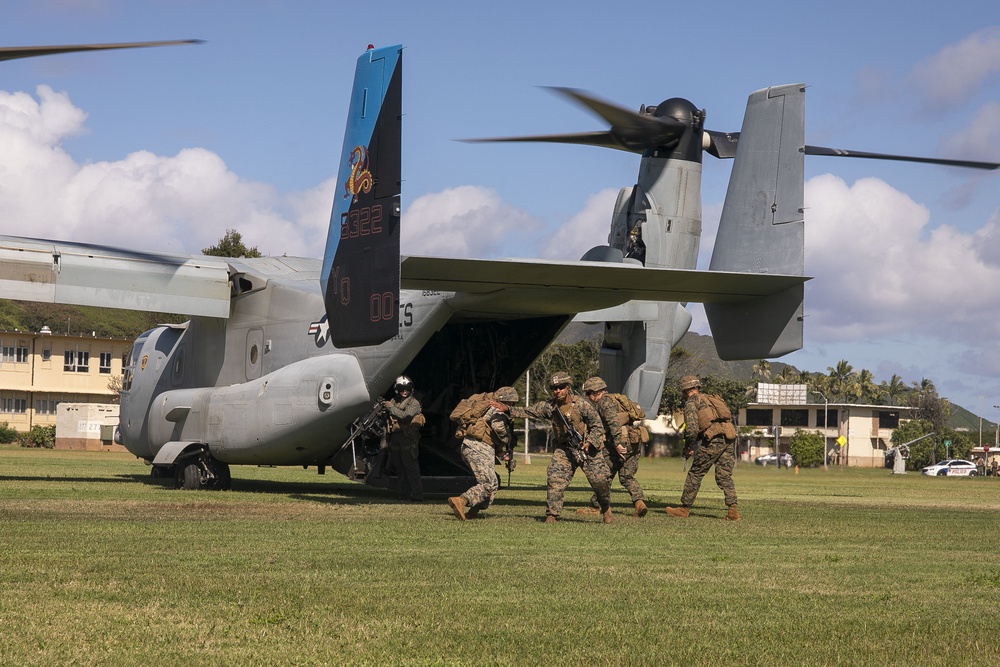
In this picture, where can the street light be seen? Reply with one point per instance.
(826, 425)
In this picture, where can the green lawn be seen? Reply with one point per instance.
(103, 565)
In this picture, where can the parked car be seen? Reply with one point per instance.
(951, 468)
(774, 459)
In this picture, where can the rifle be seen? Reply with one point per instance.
(370, 426)
(510, 463)
(576, 448)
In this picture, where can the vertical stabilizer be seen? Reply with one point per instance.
(360, 277)
(761, 230)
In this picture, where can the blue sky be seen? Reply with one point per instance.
(167, 148)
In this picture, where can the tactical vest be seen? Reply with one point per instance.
(629, 413)
(573, 416)
(467, 414)
(714, 418)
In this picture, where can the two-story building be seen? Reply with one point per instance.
(38, 371)
(855, 435)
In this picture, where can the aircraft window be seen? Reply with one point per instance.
(178, 369)
(253, 354)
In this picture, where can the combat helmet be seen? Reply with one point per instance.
(559, 379)
(689, 382)
(594, 384)
(506, 395)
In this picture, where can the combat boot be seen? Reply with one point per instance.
(606, 516)
(733, 514)
(679, 512)
(588, 510)
(640, 509)
(550, 519)
(458, 505)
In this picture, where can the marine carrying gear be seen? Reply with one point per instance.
(594, 384)
(634, 416)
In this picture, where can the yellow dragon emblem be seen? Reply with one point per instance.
(360, 179)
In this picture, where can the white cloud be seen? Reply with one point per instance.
(144, 201)
(584, 230)
(467, 221)
(956, 72)
(882, 270)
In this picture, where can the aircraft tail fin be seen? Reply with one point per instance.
(761, 230)
(360, 276)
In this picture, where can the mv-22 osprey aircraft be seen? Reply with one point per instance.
(282, 355)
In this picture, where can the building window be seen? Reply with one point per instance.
(888, 419)
(46, 406)
(14, 354)
(759, 417)
(78, 361)
(13, 405)
(821, 416)
(105, 362)
(796, 417)
(46, 355)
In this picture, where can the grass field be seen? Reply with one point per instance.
(102, 565)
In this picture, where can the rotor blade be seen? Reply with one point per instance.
(600, 139)
(12, 52)
(839, 152)
(635, 132)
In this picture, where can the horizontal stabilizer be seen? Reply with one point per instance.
(90, 275)
(537, 287)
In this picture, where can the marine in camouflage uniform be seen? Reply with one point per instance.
(485, 439)
(620, 449)
(715, 450)
(566, 458)
(405, 418)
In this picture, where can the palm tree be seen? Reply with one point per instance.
(840, 379)
(762, 370)
(866, 389)
(895, 389)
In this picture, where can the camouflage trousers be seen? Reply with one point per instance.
(625, 469)
(560, 474)
(719, 453)
(481, 458)
(403, 459)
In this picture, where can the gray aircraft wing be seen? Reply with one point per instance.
(92, 275)
(539, 287)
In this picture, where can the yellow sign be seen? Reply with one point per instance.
(841, 441)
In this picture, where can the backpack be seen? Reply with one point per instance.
(634, 434)
(635, 413)
(714, 412)
(468, 411)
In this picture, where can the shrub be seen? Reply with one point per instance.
(7, 433)
(39, 436)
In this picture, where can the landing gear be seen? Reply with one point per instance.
(202, 472)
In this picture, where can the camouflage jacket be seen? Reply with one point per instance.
(612, 420)
(579, 412)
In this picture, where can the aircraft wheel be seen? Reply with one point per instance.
(223, 480)
(188, 476)
(159, 472)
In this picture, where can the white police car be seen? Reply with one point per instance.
(951, 468)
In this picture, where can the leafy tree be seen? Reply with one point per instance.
(231, 245)
(806, 448)
(733, 392)
(579, 359)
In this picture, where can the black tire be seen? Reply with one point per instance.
(223, 480)
(973, 473)
(188, 476)
(161, 472)
(942, 473)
